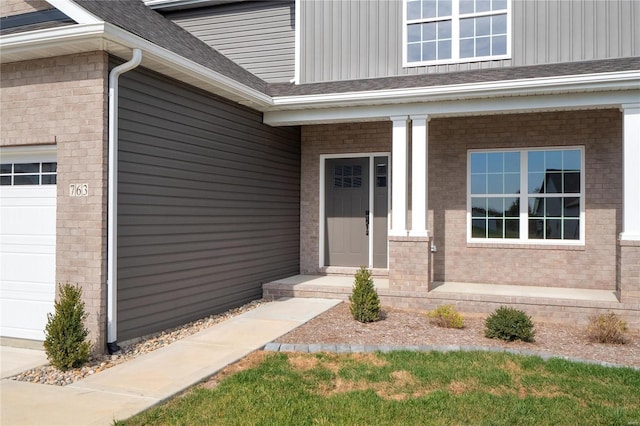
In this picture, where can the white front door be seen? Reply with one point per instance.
(27, 242)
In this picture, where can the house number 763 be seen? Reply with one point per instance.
(79, 189)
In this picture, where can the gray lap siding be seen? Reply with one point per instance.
(209, 201)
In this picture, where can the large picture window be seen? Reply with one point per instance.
(449, 31)
(526, 195)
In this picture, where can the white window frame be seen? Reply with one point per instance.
(524, 196)
(455, 36)
(31, 154)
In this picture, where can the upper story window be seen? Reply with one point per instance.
(450, 31)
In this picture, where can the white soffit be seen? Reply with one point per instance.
(455, 107)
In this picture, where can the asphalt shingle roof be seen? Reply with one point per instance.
(461, 77)
(135, 17)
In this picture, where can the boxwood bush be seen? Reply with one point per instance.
(65, 342)
(509, 324)
(365, 304)
(446, 316)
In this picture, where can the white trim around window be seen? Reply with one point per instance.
(454, 28)
(513, 179)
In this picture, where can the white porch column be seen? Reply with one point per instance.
(399, 177)
(419, 176)
(631, 172)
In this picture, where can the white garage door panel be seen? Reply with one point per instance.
(27, 259)
(20, 290)
(32, 315)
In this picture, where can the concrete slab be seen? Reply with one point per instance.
(16, 360)
(329, 281)
(164, 372)
(32, 404)
(126, 389)
(527, 291)
(300, 310)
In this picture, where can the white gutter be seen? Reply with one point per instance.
(618, 80)
(108, 37)
(112, 226)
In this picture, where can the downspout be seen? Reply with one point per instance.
(112, 222)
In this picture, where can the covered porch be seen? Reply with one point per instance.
(549, 304)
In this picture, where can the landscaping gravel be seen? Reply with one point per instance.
(403, 328)
(336, 331)
(51, 376)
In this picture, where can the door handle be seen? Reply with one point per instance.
(366, 221)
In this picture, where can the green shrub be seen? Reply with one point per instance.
(446, 316)
(365, 304)
(65, 342)
(607, 328)
(509, 324)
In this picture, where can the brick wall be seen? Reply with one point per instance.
(409, 266)
(63, 101)
(17, 7)
(629, 272)
(592, 266)
(329, 139)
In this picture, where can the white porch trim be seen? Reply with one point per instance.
(419, 176)
(399, 177)
(436, 106)
(631, 172)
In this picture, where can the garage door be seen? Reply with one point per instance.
(28, 242)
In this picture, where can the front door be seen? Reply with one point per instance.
(356, 212)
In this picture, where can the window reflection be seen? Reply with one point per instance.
(553, 194)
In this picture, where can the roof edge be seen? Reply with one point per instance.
(618, 80)
(74, 11)
(102, 33)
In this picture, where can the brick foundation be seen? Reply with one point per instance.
(629, 272)
(409, 266)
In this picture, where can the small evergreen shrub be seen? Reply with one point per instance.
(365, 304)
(446, 316)
(509, 324)
(607, 328)
(65, 342)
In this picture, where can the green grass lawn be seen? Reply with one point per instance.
(409, 388)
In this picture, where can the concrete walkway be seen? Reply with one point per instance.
(129, 388)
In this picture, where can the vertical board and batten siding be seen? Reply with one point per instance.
(259, 36)
(346, 40)
(209, 202)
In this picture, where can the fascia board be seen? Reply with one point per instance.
(101, 32)
(120, 36)
(622, 80)
(496, 105)
(74, 11)
(183, 4)
(46, 37)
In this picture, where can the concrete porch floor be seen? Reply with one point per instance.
(548, 304)
(341, 281)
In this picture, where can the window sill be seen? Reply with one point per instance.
(580, 246)
(455, 61)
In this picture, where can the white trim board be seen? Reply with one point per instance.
(321, 199)
(443, 108)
